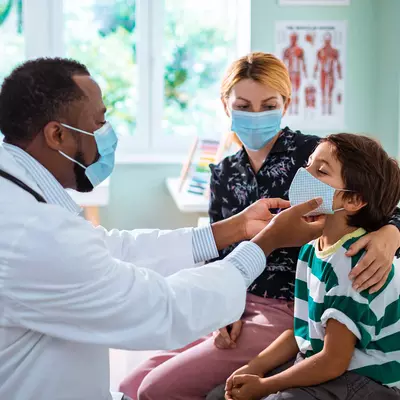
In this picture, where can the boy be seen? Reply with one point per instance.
(348, 343)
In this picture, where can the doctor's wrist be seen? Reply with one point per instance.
(264, 240)
(249, 259)
(229, 231)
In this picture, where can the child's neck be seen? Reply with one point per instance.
(335, 228)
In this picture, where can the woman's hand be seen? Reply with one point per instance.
(246, 387)
(225, 339)
(373, 269)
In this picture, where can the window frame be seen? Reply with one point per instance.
(44, 29)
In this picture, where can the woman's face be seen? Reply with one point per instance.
(251, 96)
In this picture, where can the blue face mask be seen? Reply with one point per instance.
(106, 140)
(306, 187)
(255, 130)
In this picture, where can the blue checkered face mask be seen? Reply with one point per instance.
(256, 129)
(306, 187)
(106, 141)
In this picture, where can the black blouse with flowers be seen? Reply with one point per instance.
(234, 186)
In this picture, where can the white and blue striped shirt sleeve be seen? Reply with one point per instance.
(248, 258)
(204, 246)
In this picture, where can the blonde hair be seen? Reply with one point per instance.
(263, 68)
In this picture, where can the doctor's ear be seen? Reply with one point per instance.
(54, 135)
(353, 203)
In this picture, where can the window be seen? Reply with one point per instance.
(11, 36)
(199, 41)
(158, 62)
(102, 35)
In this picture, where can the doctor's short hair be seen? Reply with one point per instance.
(371, 173)
(261, 67)
(35, 93)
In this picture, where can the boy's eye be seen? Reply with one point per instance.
(243, 107)
(322, 172)
(270, 106)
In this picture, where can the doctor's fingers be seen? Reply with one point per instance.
(275, 203)
(290, 229)
(303, 209)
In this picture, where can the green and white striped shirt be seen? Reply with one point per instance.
(323, 291)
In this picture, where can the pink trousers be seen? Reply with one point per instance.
(192, 372)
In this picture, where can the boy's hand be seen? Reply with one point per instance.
(224, 339)
(246, 387)
(245, 370)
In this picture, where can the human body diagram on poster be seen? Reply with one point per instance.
(314, 54)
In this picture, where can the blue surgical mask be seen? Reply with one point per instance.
(306, 187)
(255, 130)
(106, 140)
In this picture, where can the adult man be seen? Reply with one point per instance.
(327, 62)
(70, 291)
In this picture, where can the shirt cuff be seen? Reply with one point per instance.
(249, 259)
(204, 247)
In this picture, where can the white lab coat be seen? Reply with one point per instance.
(69, 291)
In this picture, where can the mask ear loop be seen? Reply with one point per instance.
(79, 145)
(77, 130)
(341, 190)
(71, 159)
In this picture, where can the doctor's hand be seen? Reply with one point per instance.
(246, 224)
(257, 216)
(290, 229)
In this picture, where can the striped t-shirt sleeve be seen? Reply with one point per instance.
(345, 304)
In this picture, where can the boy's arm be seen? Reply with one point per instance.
(331, 362)
(280, 351)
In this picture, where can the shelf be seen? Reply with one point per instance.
(186, 202)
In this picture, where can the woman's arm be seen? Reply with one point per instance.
(373, 269)
(395, 220)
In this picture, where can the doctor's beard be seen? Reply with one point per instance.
(83, 184)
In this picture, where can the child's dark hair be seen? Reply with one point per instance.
(368, 171)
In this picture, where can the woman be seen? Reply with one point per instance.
(255, 94)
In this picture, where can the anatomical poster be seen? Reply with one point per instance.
(315, 55)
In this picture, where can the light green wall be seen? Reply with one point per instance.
(361, 38)
(387, 93)
(139, 198)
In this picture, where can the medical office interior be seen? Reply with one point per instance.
(160, 63)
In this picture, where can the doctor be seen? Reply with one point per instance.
(69, 291)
